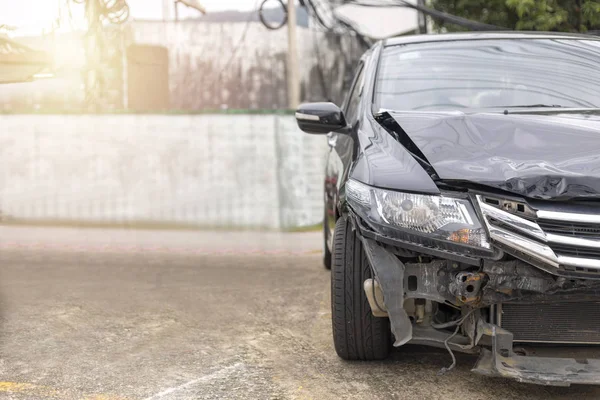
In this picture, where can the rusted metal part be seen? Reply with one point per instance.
(443, 281)
(519, 281)
(466, 286)
(496, 282)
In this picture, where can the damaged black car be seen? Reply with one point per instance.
(462, 201)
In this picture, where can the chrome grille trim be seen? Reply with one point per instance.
(526, 246)
(513, 221)
(568, 217)
(527, 238)
(579, 262)
(573, 241)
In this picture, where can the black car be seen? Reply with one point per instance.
(463, 201)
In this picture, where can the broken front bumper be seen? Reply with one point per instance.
(501, 361)
(444, 282)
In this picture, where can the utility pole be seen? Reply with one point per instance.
(292, 59)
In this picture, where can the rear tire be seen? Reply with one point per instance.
(357, 334)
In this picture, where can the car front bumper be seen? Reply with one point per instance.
(504, 282)
(501, 361)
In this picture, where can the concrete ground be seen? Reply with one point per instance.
(115, 314)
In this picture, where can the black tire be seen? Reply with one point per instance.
(326, 251)
(357, 334)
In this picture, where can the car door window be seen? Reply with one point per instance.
(351, 109)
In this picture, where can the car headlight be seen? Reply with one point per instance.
(441, 218)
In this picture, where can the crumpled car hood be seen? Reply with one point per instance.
(549, 155)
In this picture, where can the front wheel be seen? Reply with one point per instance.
(326, 241)
(357, 333)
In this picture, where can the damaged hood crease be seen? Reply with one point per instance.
(550, 156)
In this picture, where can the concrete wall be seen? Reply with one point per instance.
(205, 170)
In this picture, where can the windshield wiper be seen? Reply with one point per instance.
(533, 106)
(506, 108)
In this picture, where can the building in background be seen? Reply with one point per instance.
(224, 60)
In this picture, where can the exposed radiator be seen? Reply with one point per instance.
(566, 322)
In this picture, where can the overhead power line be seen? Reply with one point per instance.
(235, 50)
(265, 22)
(324, 15)
(438, 15)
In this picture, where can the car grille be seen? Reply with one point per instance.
(589, 231)
(566, 322)
(574, 251)
(563, 239)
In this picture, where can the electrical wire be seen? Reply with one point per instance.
(320, 70)
(326, 21)
(458, 323)
(439, 15)
(453, 19)
(316, 43)
(238, 45)
(338, 26)
(445, 370)
(313, 8)
(115, 11)
(313, 11)
(240, 42)
(264, 21)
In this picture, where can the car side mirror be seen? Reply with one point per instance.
(320, 118)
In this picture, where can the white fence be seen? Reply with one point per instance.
(227, 171)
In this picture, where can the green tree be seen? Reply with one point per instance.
(538, 15)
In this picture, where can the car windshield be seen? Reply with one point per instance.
(464, 74)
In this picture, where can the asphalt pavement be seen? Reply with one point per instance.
(125, 314)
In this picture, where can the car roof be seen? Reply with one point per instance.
(446, 37)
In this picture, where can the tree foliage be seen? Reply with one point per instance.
(537, 15)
